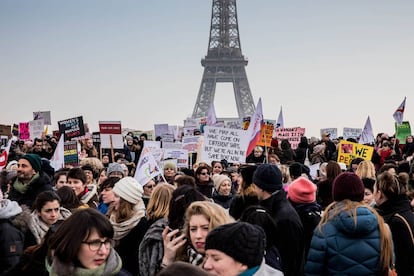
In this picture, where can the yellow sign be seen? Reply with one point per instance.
(349, 150)
(266, 133)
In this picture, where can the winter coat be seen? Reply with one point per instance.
(36, 186)
(310, 216)
(241, 203)
(262, 270)
(151, 249)
(290, 237)
(346, 247)
(128, 247)
(11, 237)
(223, 200)
(403, 244)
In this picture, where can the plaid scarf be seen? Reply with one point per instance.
(195, 258)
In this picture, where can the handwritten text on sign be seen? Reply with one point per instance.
(223, 143)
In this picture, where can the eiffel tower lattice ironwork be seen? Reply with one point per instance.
(224, 62)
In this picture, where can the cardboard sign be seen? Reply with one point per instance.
(24, 133)
(222, 143)
(266, 133)
(354, 133)
(292, 134)
(190, 143)
(72, 128)
(70, 153)
(36, 128)
(42, 115)
(180, 155)
(348, 151)
(110, 127)
(5, 130)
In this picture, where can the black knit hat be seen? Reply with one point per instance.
(348, 185)
(242, 241)
(268, 177)
(34, 160)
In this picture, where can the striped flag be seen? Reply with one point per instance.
(256, 123)
(4, 156)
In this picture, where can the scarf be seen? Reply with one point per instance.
(9, 209)
(195, 258)
(121, 229)
(23, 187)
(39, 228)
(112, 266)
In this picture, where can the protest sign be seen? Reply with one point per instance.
(190, 143)
(111, 135)
(222, 143)
(180, 155)
(36, 129)
(70, 153)
(403, 131)
(349, 150)
(24, 133)
(292, 134)
(354, 133)
(42, 115)
(72, 127)
(5, 130)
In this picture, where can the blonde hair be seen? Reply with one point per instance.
(333, 209)
(94, 162)
(284, 169)
(214, 213)
(366, 169)
(159, 203)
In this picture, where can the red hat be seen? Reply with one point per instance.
(302, 190)
(348, 185)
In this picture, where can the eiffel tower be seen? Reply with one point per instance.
(224, 62)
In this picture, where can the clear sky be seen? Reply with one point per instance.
(326, 63)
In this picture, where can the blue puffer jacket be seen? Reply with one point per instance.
(344, 247)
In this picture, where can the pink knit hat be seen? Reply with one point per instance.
(302, 190)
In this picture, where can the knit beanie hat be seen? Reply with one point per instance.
(218, 179)
(268, 177)
(128, 189)
(302, 190)
(242, 241)
(34, 160)
(295, 169)
(114, 167)
(348, 185)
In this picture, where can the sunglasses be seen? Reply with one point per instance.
(204, 173)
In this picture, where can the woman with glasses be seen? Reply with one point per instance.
(148, 189)
(204, 183)
(82, 245)
(47, 212)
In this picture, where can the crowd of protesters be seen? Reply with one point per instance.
(268, 216)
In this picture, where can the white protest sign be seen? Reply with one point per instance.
(223, 143)
(36, 128)
(190, 143)
(180, 155)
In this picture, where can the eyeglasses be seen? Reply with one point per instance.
(97, 244)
